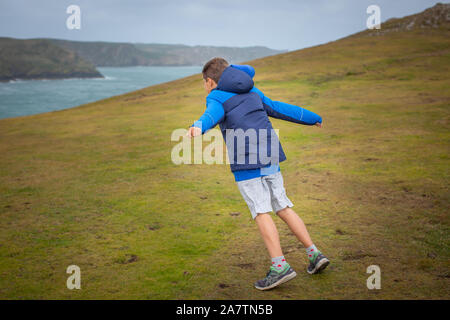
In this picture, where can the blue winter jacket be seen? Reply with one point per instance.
(236, 104)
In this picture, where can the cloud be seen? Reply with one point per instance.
(282, 24)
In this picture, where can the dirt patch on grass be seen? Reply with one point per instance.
(128, 258)
(246, 265)
(357, 255)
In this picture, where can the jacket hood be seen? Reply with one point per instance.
(236, 79)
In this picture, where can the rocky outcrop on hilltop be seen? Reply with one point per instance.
(435, 17)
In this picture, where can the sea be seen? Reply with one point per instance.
(27, 97)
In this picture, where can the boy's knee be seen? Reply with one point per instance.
(283, 211)
(260, 215)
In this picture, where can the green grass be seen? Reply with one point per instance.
(94, 185)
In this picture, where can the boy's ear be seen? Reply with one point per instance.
(212, 82)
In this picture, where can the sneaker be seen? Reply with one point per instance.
(274, 278)
(319, 263)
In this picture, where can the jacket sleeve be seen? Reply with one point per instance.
(213, 114)
(288, 112)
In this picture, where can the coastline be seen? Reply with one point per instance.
(47, 76)
(22, 97)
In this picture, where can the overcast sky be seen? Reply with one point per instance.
(278, 24)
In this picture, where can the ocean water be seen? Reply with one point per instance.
(26, 97)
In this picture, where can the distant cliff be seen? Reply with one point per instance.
(164, 54)
(140, 54)
(41, 59)
(56, 59)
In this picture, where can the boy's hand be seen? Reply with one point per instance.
(318, 124)
(193, 132)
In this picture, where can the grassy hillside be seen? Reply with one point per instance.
(154, 54)
(94, 185)
(40, 59)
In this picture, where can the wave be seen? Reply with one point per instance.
(105, 78)
(63, 79)
(15, 81)
(98, 78)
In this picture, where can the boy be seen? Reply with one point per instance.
(234, 103)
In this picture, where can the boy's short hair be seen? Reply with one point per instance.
(213, 69)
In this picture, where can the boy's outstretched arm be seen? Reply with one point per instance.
(289, 112)
(213, 114)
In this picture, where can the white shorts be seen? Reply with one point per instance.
(264, 194)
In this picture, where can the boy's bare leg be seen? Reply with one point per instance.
(317, 261)
(296, 225)
(280, 271)
(269, 234)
